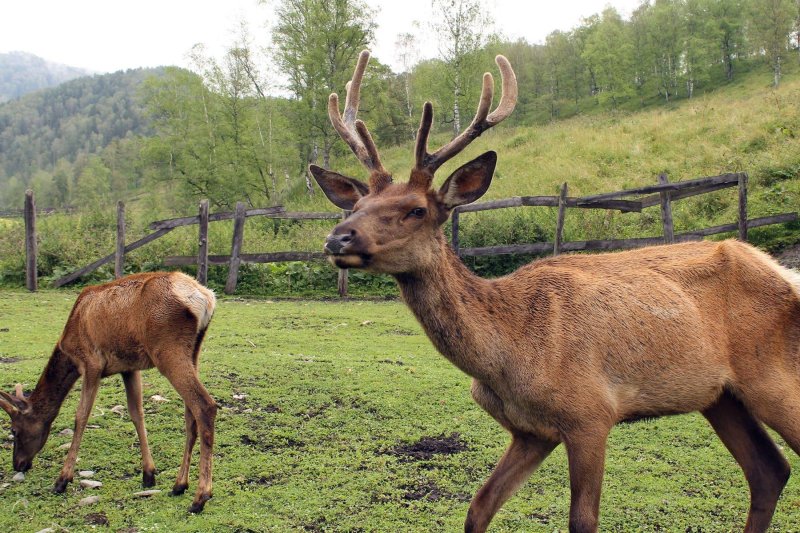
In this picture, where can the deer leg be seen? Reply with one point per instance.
(182, 482)
(203, 408)
(586, 458)
(133, 392)
(523, 456)
(91, 382)
(765, 469)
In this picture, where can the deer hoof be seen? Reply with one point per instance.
(197, 506)
(148, 479)
(179, 489)
(60, 486)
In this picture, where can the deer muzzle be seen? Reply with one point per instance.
(337, 242)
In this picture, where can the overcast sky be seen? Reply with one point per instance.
(109, 35)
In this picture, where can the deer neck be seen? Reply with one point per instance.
(449, 300)
(53, 386)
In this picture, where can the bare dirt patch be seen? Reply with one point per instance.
(426, 447)
(96, 519)
(9, 360)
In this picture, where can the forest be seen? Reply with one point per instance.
(245, 126)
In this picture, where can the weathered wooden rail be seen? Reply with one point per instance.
(202, 260)
(662, 194)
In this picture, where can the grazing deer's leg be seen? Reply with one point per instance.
(586, 450)
(184, 378)
(133, 392)
(523, 456)
(182, 482)
(91, 382)
(765, 468)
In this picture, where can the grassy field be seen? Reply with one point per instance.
(350, 422)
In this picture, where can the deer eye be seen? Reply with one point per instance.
(417, 212)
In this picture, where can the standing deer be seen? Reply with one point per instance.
(565, 348)
(131, 324)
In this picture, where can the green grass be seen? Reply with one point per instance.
(332, 388)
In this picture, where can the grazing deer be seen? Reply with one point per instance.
(565, 348)
(131, 324)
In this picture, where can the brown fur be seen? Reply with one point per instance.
(131, 324)
(565, 348)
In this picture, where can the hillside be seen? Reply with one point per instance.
(47, 137)
(742, 126)
(22, 73)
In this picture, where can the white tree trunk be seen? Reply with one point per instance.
(456, 110)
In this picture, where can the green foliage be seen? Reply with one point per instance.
(47, 138)
(317, 43)
(333, 393)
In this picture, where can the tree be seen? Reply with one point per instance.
(727, 18)
(407, 53)
(665, 46)
(610, 49)
(461, 30)
(698, 42)
(316, 45)
(772, 21)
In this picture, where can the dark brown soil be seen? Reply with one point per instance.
(426, 447)
(96, 519)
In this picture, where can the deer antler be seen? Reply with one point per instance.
(353, 131)
(428, 163)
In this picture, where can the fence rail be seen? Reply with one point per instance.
(663, 194)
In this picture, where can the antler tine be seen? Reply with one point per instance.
(425, 122)
(482, 121)
(18, 391)
(509, 99)
(379, 177)
(347, 126)
(353, 89)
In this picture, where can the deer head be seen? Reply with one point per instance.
(30, 431)
(395, 227)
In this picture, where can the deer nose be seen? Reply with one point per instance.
(338, 240)
(23, 466)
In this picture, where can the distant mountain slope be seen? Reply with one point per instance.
(79, 117)
(22, 73)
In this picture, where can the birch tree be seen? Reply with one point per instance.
(461, 28)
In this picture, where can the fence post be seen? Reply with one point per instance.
(236, 247)
(562, 211)
(344, 274)
(119, 256)
(743, 206)
(31, 280)
(666, 211)
(202, 248)
(455, 230)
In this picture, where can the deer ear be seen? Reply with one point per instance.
(469, 182)
(344, 192)
(11, 404)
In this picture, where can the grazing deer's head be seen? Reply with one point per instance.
(394, 227)
(30, 431)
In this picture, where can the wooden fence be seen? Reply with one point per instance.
(662, 194)
(665, 193)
